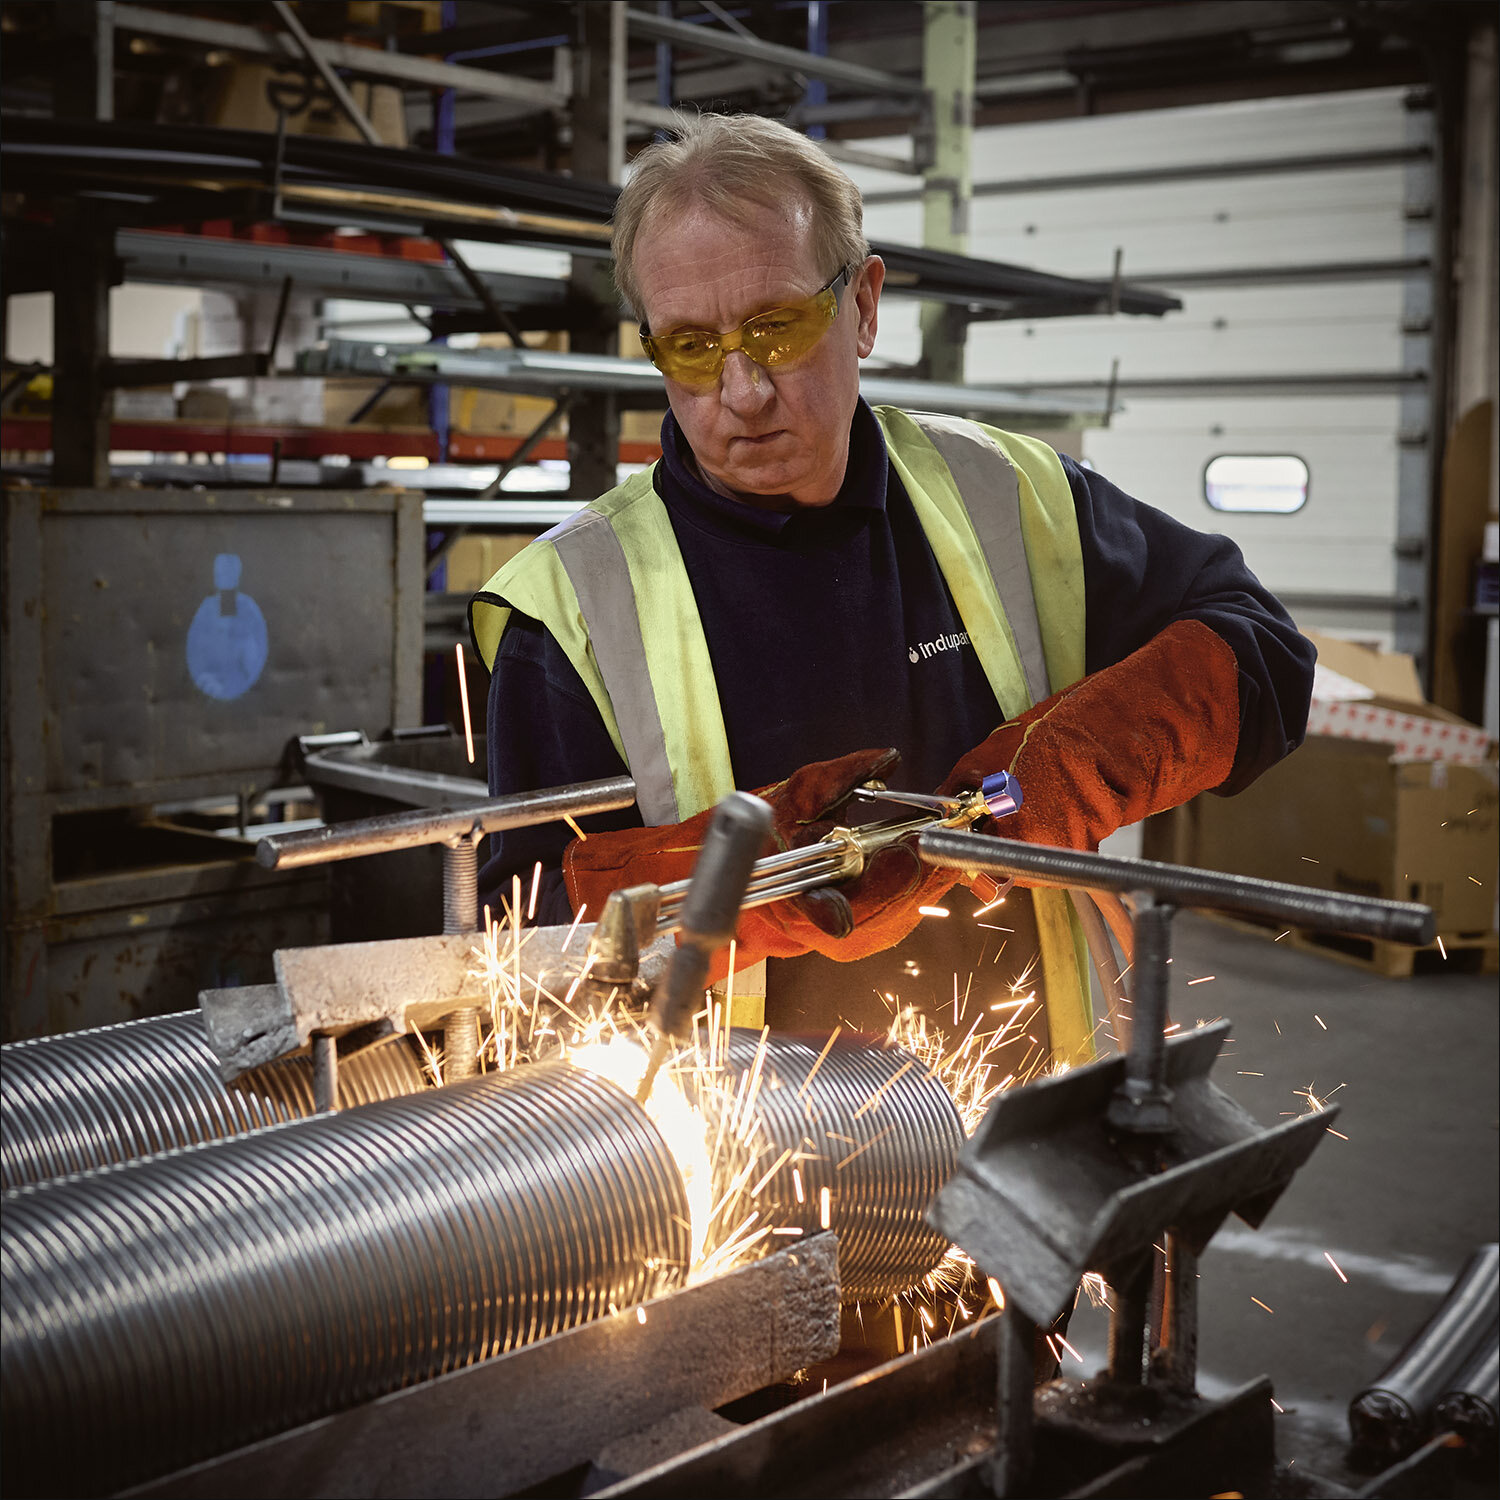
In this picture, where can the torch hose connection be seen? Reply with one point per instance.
(159, 1313)
(92, 1098)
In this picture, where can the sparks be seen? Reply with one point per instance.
(536, 882)
(640, 1316)
(578, 832)
(1066, 1345)
(1442, 949)
(825, 1207)
(1244, 1074)
(1279, 1407)
(1259, 1303)
(1205, 980)
(463, 694)
(1477, 882)
(1321, 1022)
(996, 1293)
(1281, 935)
(933, 911)
(1332, 1262)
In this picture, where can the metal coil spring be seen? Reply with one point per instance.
(91, 1098)
(881, 1163)
(169, 1309)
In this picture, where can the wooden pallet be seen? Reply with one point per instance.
(1463, 953)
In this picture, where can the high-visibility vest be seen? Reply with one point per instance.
(610, 584)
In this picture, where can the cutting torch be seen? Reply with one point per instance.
(704, 909)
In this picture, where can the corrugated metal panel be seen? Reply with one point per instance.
(1343, 540)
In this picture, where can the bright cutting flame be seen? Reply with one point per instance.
(623, 1061)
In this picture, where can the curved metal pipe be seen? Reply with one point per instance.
(1391, 1416)
(880, 1162)
(92, 1098)
(1469, 1406)
(161, 1312)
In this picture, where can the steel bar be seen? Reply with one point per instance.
(1015, 1364)
(363, 62)
(162, 1312)
(1393, 1414)
(1399, 921)
(90, 1099)
(1326, 161)
(879, 1163)
(509, 1423)
(545, 370)
(751, 49)
(360, 836)
(193, 259)
(1142, 1104)
(855, 1438)
(324, 69)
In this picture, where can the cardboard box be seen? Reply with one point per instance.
(1345, 815)
(1364, 694)
(474, 560)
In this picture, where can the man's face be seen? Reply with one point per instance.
(762, 436)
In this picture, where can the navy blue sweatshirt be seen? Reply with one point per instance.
(816, 620)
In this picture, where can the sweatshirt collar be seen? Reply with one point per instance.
(679, 483)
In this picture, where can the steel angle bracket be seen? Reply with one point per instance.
(364, 993)
(1046, 1189)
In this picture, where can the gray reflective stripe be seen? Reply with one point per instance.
(991, 494)
(594, 561)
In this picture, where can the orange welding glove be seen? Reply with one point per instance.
(852, 920)
(1136, 738)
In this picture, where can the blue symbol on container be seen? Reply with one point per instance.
(227, 643)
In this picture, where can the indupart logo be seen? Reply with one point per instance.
(923, 649)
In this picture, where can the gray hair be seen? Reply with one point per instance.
(736, 166)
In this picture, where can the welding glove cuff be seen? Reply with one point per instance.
(1135, 738)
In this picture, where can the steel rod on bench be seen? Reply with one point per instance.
(1177, 885)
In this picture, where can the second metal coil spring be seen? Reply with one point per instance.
(881, 1162)
(91, 1098)
(160, 1312)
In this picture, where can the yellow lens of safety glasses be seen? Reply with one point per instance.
(695, 356)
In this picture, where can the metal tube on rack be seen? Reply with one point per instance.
(93, 1098)
(156, 1314)
(407, 830)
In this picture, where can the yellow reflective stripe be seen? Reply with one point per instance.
(676, 656)
(945, 521)
(1054, 551)
(677, 659)
(1070, 1010)
(536, 583)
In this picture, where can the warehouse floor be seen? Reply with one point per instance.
(1415, 1063)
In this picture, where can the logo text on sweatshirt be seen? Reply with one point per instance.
(923, 649)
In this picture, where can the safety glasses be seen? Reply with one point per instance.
(695, 356)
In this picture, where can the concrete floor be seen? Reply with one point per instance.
(1399, 1205)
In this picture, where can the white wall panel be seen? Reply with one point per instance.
(1342, 540)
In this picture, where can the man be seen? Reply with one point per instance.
(801, 577)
